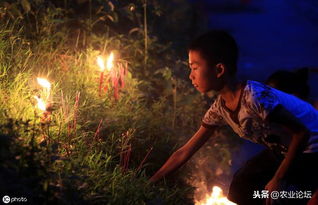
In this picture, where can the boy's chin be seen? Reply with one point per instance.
(209, 92)
(203, 91)
(200, 90)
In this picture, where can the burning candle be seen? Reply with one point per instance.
(44, 104)
(46, 85)
(110, 61)
(41, 103)
(101, 64)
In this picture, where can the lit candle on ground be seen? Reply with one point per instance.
(41, 103)
(110, 61)
(46, 85)
(101, 64)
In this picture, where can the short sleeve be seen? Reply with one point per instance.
(212, 117)
(262, 100)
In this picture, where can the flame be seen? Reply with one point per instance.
(44, 83)
(110, 61)
(101, 63)
(215, 198)
(41, 103)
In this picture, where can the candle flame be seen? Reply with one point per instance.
(101, 63)
(44, 83)
(110, 61)
(215, 198)
(41, 103)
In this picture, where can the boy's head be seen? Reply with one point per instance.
(212, 58)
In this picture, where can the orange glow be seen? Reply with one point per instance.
(110, 61)
(215, 198)
(101, 63)
(44, 83)
(41, 103)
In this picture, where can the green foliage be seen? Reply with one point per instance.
(90, 147)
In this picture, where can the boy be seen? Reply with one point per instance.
(286, 125)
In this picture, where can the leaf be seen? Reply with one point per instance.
(6, 5)
(165, 72)
(26, 5)
(136, 29)
(100, 9)
(111, 5)
(110, 18)
(14, 11)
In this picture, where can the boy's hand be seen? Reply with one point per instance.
(178, 158)
(152, 180)
(272, 185)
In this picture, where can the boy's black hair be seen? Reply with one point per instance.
(217, 46)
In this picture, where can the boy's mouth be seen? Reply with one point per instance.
(195, 85)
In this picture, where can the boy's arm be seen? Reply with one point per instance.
(182, 155)
(300, 135)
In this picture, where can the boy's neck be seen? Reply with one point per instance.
(231, 91)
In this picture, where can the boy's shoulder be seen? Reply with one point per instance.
(257, 90)
(252, 92)
(252, 89)
(255, 86)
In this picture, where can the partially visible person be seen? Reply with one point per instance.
(295, 83)
(291, 82)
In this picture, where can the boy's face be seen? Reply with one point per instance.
(202, 76)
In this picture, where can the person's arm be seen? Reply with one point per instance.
(299, 134)
(182, 155)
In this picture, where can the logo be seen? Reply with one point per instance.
(6, 199)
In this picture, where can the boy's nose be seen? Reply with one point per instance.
(191, 77)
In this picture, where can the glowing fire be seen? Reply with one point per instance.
(46, 93)
(216, 198)
(110, 61)
(44, 83)
(47, 87)
(41, 103)
(101, 63)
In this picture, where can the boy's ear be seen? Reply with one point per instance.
(220, 69)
